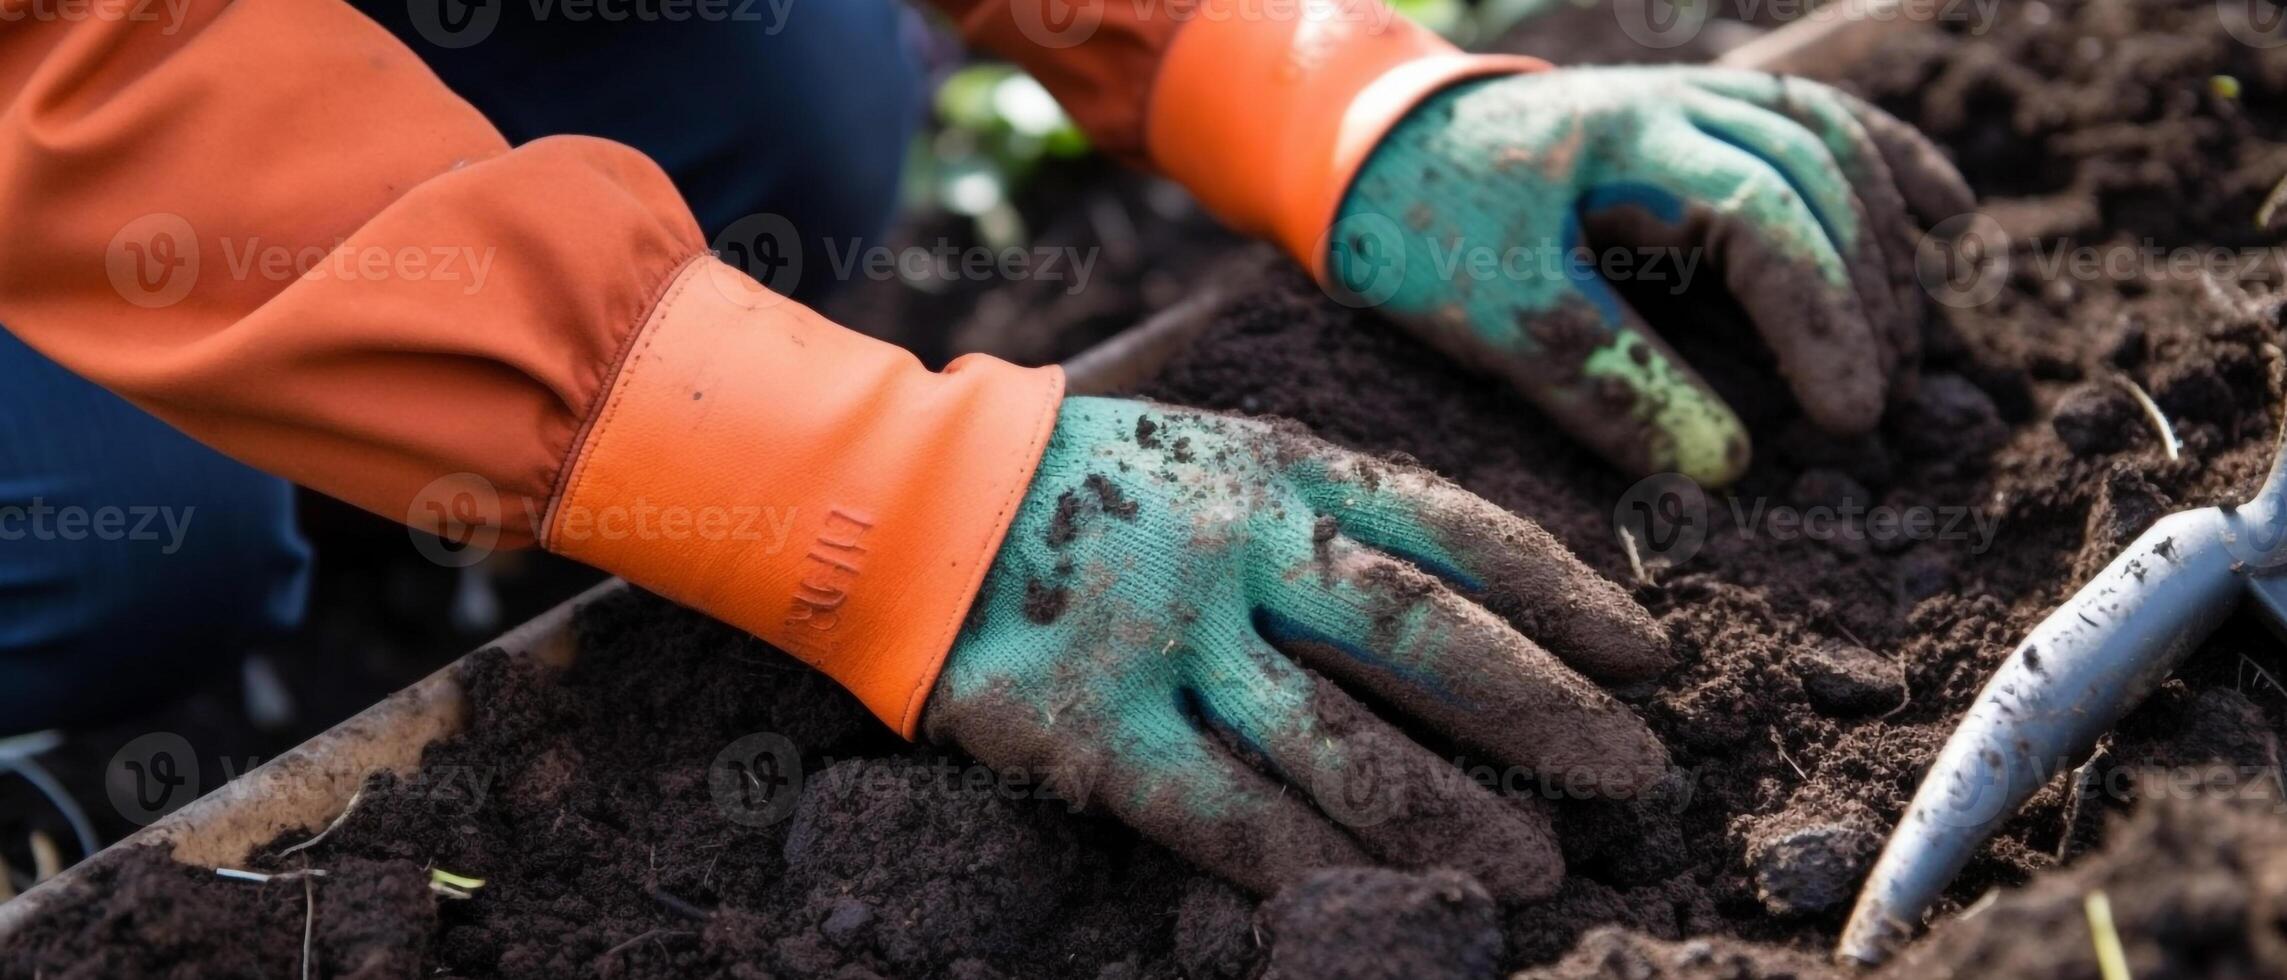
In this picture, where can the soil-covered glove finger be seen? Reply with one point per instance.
(1387, 629)
(1406, 805)
(1501, 561)
(1895, 231)
(1932, 186)
(1162, 774)
(1780, 265)
(1846, 212)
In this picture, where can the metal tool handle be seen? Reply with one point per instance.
(2084, 667)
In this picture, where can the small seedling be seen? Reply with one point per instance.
(451, 885)
(2111, 959)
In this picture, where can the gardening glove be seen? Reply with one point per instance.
(1395, 165)
(1476, 221)
(1189, 609)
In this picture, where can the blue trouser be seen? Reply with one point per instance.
(133, 559)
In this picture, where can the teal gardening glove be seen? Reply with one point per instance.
(1188, 607)
(1465, 223)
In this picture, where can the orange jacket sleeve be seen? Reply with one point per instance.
(269, 224)
(1263, 109)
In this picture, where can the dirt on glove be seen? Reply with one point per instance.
(1825, 653)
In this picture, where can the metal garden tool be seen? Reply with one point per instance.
(2077, 674)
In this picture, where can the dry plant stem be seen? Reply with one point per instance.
(258, 877)
(653, 934)
(309, 921)
(2271, 204)
(2168, 441)
(678, 905)
(346, 810)
(47, 861)
(2265, 675)
(1635, 560)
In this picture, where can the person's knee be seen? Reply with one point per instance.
(823, 133)
(115, 594)
(773, 119)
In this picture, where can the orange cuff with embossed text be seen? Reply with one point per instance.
(811, 485)
(1266, 115)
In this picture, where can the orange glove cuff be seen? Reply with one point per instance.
(813, 486)
(1268, 118)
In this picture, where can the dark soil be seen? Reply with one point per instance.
(686, 802)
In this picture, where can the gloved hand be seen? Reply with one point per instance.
(1803, 199)
(1189, 608)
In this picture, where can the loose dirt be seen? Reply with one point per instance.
(686, 802)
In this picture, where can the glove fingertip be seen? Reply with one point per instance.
(1614, 640)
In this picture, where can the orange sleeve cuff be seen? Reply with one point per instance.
(813, 486)
(1268, 118)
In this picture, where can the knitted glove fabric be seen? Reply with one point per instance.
(1494, 219)
(1183, 619)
